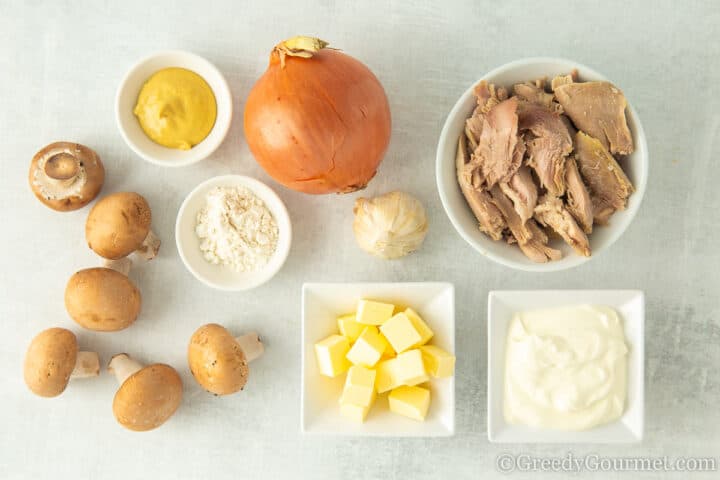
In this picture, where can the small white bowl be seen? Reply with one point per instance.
(129, 126)
(218, 276)
(462, 218)
(322, 304)
(502, 306)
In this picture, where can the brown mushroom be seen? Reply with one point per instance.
(102, 299)
(119, 225)
(66, 176)
(219, 361)
(53, 359)
(147, 396)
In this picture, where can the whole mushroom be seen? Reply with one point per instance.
(219, 361)
(148, 396)
(102, 299)
(66, 176)
(119, 225)
(53, 359)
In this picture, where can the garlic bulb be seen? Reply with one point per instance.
(391, 225)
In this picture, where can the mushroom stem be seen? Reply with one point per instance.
(251, 345)
(121, 265)
(122, 366)
(86, 365)
(150, 246)
(62, 169)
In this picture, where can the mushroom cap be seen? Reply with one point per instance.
(118, 224)
(102, 299)
(49, 361)
(217, 361)
(91, 175)
(148, 397)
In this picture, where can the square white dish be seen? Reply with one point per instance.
(502, 305)
(322, 303)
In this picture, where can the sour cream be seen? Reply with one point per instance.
(565, 368)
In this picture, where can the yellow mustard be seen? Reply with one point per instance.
(176, 108)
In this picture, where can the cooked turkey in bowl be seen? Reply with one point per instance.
(541, 160)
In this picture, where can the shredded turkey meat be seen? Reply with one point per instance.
(538, 250)
(542, 161)
(598, 109)
(488, 95)
(551, 212)
(500, 150)
(530, 238)
(607, 182)
(521, 189)
(578, 199)
(549, 147)
(564, 79)
(473, 128)
(490, 219)
(535, 93)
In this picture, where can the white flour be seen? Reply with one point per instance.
(236, 229)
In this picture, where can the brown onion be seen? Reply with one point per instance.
(318, 120)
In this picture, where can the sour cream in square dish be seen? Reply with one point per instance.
(566, 368)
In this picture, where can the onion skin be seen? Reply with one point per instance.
(318, 123)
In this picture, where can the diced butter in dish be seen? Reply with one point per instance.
(438, 362)
(331, 355)
(399, 380)
(349, 327)
(373, 313)
(412, 402)
(368, 348)
(401, 333)
(399, 338)
(359, 393)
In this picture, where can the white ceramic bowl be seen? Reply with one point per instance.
(322, 304)
(218, 276)
(462, 218)
(502, 305)
(129, 126)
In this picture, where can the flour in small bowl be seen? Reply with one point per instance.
(236, 229)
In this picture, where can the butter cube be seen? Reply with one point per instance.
(359, 387)
(438, 362)
(412, 402)
(349, 327)
(373, 313)
(409, 368)
(400, 332)
(389, 351)
(330, 354)
(367, 349)
(355, 413)
(425, 333)
(385, 376)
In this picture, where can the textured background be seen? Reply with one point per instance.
(60, 63)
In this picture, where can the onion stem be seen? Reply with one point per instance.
(300, 46)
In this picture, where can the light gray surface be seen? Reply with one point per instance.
(60, 64)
